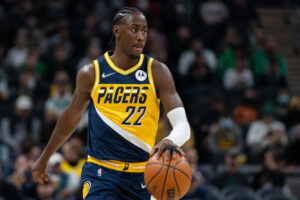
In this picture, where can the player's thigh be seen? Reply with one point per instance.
(95, 188)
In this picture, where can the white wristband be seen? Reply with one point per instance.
(181, 129)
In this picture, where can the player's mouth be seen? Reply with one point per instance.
(138, 48)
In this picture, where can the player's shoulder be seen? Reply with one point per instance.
(86, 76)
(160, 70)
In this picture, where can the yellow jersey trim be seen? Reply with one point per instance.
(119, 165)
(96, 66)
(151, 77)
(121, 71)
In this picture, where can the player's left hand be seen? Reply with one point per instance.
(168, 146)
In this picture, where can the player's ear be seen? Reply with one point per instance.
(116, 31)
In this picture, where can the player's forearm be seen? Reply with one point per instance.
(181, 129)
(64, 128)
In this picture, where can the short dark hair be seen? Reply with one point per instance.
(119, 15)
(123, 12)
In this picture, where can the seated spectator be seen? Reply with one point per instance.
(59, 98)
(247, 111)
(198, 180)
(198, 73)
(282, 104)
(223, 136)
(265, 132)
(292, 151)
(8, 190)
(230, 51)
(257, 39)
(93, 51)
(73, 162)
(269, 66)
(188, 57)
(21, 172)
(213, 15)
(231, 175)
(239, 76)
(60, 180)
(271, 174)
(243, 16)
(21, 124)
(293, 116)
(17, 54)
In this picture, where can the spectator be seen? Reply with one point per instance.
(282, 104)
(21, 172)
(247, 111)
(187, 58)
(230, 51)
(59, 98)
(60, 95)
(8, 190)
(292, 151)
(17, 54)
(265, 132)
(293, 116)
(239, 76)
(213, 15)
(243, 16)
(93, 51)
(198, 180)
(73, 162)
(21, 124)
(271, 174)
(199, 73)
(269, 67)
(231, 174)
(61, 181)
(223, 136)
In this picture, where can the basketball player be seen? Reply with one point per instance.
(122, 90)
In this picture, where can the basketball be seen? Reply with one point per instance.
(168, 179)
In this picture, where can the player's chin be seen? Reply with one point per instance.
(135, 55)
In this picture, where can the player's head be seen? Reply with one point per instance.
(130, 31)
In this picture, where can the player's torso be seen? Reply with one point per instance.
(126, 102)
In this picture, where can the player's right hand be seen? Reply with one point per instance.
(39, 173)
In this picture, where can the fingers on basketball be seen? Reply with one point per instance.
(168, 179)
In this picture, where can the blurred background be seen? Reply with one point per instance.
(235, 65)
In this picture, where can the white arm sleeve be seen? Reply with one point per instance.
(181, 129)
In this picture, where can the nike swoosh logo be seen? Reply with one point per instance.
(143, 186)
(107, 75)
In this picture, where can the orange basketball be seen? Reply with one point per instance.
(168, 179)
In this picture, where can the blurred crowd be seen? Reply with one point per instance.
(226, 66)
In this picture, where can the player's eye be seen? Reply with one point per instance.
(134, 30)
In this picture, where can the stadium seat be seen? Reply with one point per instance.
(214, 192)
(239, 191)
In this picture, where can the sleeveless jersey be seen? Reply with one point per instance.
(124, 111)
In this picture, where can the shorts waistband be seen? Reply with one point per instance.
(119, 165)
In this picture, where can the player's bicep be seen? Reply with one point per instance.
(84, 83)
(165, 87)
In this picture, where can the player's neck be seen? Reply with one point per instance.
(122, 60)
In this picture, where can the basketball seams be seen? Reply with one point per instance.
(162, 166)
(180, 169)
(162, 192)
(176, 181)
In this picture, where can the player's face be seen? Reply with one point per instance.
(133, 35)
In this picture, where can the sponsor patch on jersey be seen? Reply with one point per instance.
(140, 75)
(86, 189)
